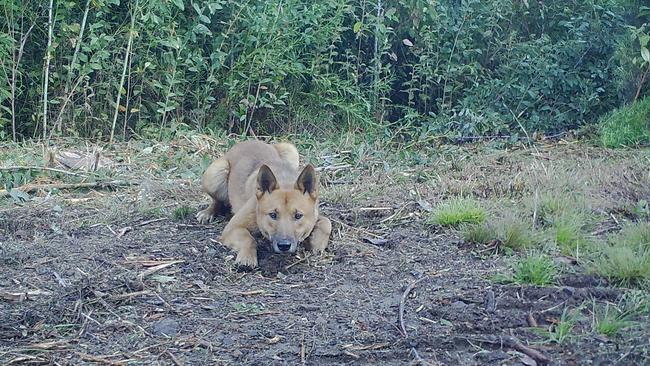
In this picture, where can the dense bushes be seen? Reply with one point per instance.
(465, 67)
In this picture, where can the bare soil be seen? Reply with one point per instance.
(97, 279)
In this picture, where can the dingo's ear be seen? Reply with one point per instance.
(307, 182)
(266, 181)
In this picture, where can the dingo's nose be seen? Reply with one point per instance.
(284, 245)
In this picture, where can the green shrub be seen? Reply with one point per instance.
(282, 66)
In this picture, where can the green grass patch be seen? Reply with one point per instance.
(483, 233)
(566, 220)
(516, 234)
(568, 234)
(609, 321)
(510, 231)
(560, 332)
(625, 258)
(627, 125)
(458, 211)
(182, 212)
(550, 207)
(535, 268)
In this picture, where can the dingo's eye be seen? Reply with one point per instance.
(298, 216)
(274, 215)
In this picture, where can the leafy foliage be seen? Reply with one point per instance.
(405, 67)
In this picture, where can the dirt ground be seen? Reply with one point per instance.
(126, 276)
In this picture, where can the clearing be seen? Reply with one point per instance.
(119, 272)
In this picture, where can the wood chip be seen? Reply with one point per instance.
(157, 268)
(18, 296)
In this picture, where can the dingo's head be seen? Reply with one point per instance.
(286, 215)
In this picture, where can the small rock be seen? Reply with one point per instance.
(426, 206)
(496, 356)
(526, 360)
(320, 320)
(380, 242)
(458, 305)
(165, 327)
(227, 340)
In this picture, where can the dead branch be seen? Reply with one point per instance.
(143, 223)
(129, 295)
(28, 188)
(11, 168)
(514, 343)
(53, 345)
(307, 256)
(175, 360)
(99, 359)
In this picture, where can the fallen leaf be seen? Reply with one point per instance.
(18, 195)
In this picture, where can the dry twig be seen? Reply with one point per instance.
(402, 327)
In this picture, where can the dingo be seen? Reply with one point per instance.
(267, 194)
